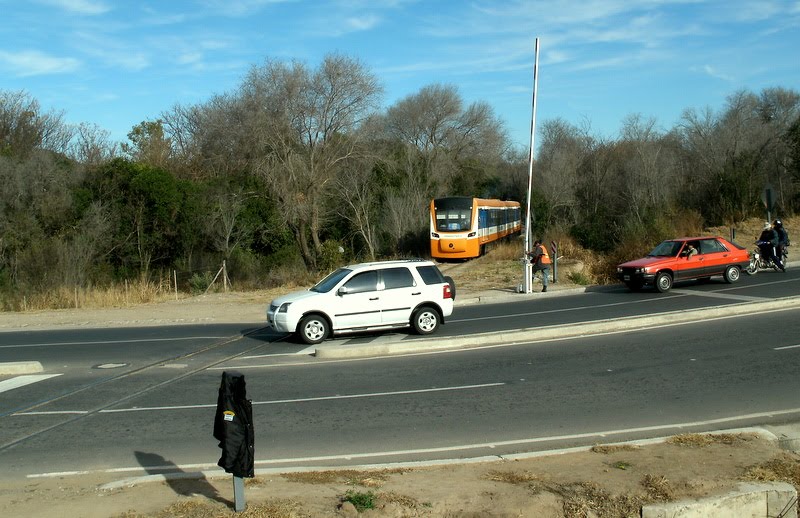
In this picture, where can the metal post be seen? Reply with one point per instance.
(238, 494)
(528, 281)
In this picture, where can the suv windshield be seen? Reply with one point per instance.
(329, 282)
(666, 249)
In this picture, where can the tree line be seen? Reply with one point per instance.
(299, 163)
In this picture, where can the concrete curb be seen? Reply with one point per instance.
(552, 332)
(765, 499)
(15, 368)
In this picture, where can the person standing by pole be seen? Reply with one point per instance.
(541, 263)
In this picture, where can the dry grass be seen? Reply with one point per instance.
(699, 440)
(613, 448)
(128, 294)
(205, 509)
(350, 477)
(581, 499)
(780, 469)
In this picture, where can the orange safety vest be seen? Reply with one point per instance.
(544, 256)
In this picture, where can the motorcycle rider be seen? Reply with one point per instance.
(767, 242)
(783, 239)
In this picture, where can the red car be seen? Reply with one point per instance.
(683, 259)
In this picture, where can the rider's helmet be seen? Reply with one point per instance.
(778, 223)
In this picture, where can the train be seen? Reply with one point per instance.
(462, 227)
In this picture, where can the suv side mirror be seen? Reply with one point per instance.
(344, 290)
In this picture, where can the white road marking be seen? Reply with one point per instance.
(717, 295)
(276, 401)
(454, 448)
(787, 347)
(21, 381)
(106, 342)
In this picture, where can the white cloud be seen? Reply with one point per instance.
(33, 63)
(713, 72)
(362, 23)
(86, 7)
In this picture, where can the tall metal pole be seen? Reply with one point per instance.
(528, 274)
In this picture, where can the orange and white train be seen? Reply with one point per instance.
(461, 227)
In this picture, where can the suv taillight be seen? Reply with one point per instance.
(446, 293)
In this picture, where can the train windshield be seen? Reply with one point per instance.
(453, 214)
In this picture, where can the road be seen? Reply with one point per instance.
(136, 400)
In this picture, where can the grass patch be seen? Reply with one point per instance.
(361, 501)
(613, 448)
(698, 440)
(204, 509)
(780, 469)
(512, 477)
(348, 476)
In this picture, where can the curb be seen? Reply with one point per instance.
(552, 332)
(28, 367)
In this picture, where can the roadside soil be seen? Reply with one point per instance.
(606, 480)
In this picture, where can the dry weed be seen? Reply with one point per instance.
(658, 488)
(701, 439)
(613, 448)
(349, 477)
(780, 469)
(512, 477)
(581, 499)
(204, 509)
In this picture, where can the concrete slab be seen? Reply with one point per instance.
(15, 368)
(749, 500)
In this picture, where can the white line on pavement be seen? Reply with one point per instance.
(279, 401)
(665, 428)
(105, 342)
(21, 381)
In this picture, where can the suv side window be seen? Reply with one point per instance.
(362, 282)
(397, 278)
(430, 274)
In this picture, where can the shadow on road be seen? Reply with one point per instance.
(184, 483)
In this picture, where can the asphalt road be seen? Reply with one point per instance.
(144, 399)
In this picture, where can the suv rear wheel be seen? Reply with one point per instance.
(425, 320)
(312, 329)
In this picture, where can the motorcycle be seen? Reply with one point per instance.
(759, 262)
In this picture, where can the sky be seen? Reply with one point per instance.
(115, 64)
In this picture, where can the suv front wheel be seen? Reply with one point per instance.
(312, 329)
(425, 320)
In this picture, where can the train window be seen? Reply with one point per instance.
(453, 220)
(397, 278)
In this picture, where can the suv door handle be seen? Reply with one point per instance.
(375, 298)
(417, 293)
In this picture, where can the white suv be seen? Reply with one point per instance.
(367, 297)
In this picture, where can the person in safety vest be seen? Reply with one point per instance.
(541, 262)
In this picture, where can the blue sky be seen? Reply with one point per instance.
(117, 63)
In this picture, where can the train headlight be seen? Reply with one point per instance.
(472, 234)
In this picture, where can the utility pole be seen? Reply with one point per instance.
(527, 282)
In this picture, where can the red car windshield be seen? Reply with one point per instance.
(666, 249)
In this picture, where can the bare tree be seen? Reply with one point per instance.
(92, 145)
(24, 127)
(303, 122)
(450, 140)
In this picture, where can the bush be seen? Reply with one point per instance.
(361, 501)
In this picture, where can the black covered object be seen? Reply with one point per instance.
(233, 426)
